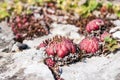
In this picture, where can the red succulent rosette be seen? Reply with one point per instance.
(89, 45)
(61, 49)
(94, 25)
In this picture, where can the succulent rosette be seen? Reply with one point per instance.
(94, 25)
(61, 49)
(28, 26)
(89, 45)
(49, 62)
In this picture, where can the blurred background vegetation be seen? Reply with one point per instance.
(81, 7)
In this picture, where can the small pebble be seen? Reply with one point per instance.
(19, 46)
(23, 46)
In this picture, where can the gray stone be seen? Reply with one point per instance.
(95, 68)
(117, 77)
(6, 37)
(68, 30)
(117, 22)
(6, 32)
(116, 34)
(26, 65)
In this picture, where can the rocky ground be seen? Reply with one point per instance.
(28, 64)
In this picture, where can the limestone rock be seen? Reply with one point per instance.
(26, 65)
(95, 68)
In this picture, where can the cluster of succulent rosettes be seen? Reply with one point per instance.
(105, 44)
(28, 26)
(95, 44)
(61, 49)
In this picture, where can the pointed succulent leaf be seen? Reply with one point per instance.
(113, 48)
(108, 39)
(18, 7)
(92, 5)
(3, 14)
